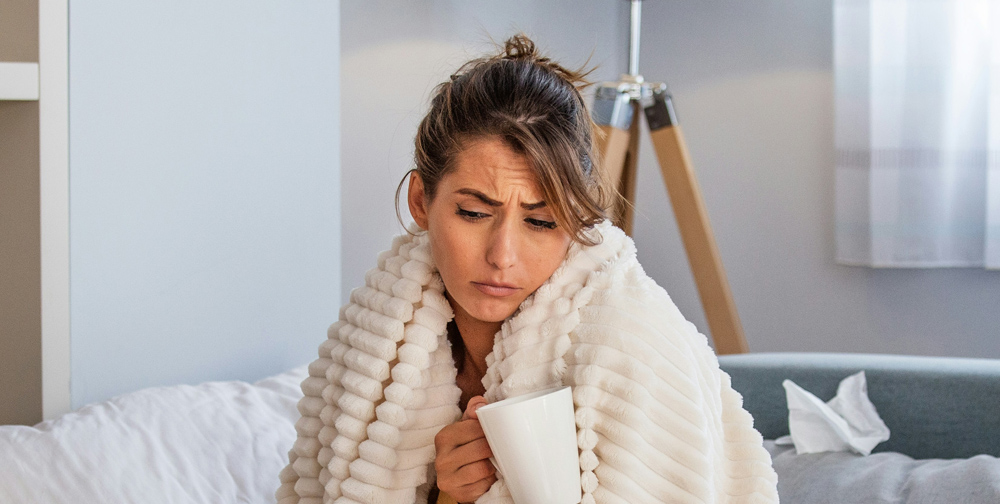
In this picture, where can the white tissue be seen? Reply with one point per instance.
(849, 422)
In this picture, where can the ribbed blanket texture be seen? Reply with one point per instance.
(657, 420)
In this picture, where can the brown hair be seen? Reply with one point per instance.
(534, 105)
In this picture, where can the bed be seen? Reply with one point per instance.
(225, 442)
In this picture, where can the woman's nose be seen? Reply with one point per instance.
(502, 250)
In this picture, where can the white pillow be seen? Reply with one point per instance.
(218, 442)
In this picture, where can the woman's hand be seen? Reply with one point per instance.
(464, 470)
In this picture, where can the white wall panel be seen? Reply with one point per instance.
(204, 190)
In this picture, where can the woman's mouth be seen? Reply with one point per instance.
(496, 289)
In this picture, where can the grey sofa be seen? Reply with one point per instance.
(943, 415)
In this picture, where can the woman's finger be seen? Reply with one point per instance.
(473, 451)
(473, 491)
(465, 464)
(470, 473)
(470, 409)
(456, 435)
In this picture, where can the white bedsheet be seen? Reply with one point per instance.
(218, 442)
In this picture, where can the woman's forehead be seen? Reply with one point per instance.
(494, 169)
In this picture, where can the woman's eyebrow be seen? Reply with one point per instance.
(494, 203)
(480, 196)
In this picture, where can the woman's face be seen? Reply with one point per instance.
(494, 239)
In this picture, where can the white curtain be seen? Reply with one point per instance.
(917, 104)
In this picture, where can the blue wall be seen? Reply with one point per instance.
(204, 190)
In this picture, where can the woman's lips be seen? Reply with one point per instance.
(496, 290)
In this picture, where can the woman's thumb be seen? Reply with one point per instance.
(474, 404)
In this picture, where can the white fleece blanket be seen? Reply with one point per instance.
(657, 420)
(214, 443)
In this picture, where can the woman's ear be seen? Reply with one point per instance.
(417, 200)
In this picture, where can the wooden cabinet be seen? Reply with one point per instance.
(34, 245)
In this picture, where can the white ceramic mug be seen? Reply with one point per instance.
(533, 438)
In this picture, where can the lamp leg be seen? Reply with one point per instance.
(699, 243)
(613, 144)
(626, 215)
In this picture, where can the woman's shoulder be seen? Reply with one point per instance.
(624, 296)
(615, 268)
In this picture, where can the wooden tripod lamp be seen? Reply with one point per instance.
(616, 107)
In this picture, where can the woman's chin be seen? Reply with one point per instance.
(494, 311)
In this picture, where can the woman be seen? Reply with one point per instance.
(513, 281)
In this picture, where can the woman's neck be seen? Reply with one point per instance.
(477, 337)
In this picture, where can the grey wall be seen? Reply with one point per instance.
(204, 186)
(394, 52)
(753, 86)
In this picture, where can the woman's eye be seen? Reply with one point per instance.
(541, 224)
(470, 215)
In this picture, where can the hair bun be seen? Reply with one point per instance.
(521, 48)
